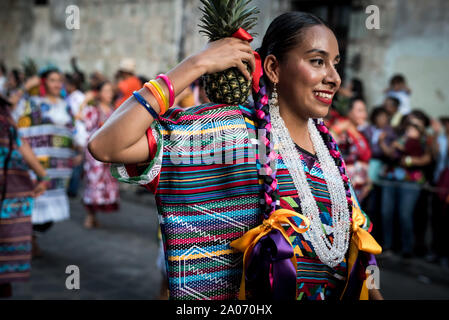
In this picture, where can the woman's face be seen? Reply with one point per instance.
(381, 120)
(358, 114)
(106, 93)
(11, 81)
(53, 84)
(308, 78)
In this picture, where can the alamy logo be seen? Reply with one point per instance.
(373, 20)
(372, 277)
(72, 282)
(72, 20)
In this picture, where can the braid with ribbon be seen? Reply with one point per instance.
(269, 194)
(338, 159)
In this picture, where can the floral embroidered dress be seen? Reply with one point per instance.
(49, 128)
(102, 190)
(204, 174)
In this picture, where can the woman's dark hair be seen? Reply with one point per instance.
(421, 116)
(395, 101)
(16, 75)
(377, 111)
(100, 86)
(397, 79)
(283, 34)
(352, 102)
(74, 79)
(44, 74)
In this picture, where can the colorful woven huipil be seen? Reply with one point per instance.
(204, 174)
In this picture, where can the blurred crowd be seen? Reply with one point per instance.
(396, 157)
(397, 160)
(47, 117)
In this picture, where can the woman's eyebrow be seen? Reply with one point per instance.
(323, 52)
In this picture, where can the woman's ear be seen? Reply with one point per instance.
(271, 68)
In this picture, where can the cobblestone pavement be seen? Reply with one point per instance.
(118, 260)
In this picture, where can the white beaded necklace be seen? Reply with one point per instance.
(330, 254)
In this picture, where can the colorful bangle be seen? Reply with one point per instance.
(145, 104)
(157, 96)
(171, 90)
(161, 92)
(45, 178)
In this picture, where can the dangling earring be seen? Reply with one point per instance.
(274, 97)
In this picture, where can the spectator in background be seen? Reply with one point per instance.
(398, 89)
(378, 129)
(13, 82)
(440, 197)
(95, 79)
(199, 93)
(77, 74)
(16, 201)
(127, 81)
(403, 178)
(101, 192)
(391, 105)
(340, 105)
(74, 94)
(38, 118)
(3, 77)
(74, 99)
(354, 146)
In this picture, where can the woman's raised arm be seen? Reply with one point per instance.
(122, 138)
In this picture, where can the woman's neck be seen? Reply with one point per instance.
(297, 127)
(52, 98)
(104, 105)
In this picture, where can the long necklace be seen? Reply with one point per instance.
(330, 254)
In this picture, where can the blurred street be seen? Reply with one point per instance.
(118, 260)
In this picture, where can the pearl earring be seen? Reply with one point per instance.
(274, 96)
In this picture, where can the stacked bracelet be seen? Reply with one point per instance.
(156, 95)
(145, 104)
(171, 90)
(161, 92)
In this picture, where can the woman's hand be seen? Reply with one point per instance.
(226, 53)
(40, 188)
(32, 82)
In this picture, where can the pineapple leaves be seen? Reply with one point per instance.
(222, 18)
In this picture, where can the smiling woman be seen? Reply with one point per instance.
(306, 236)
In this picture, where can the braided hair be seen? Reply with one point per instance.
(283, 34)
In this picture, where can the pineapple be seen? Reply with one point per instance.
(221, 19)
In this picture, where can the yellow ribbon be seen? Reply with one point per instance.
(362, 238)
(247, 242)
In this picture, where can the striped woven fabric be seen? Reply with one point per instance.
(16, 207)
(315, 280)
(49, 129)
(203, 172)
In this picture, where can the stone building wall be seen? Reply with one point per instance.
(156, 33)
(413, 40)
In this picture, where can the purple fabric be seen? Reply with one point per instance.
(272, 253)
(308, 157)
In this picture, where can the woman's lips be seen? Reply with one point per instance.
(323, 96)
